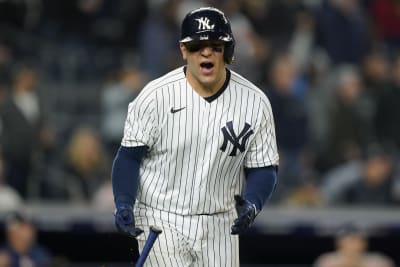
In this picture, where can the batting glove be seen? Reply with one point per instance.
(247, 212)
(125, 222)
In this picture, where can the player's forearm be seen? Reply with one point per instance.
(125, 174)
(260, 183)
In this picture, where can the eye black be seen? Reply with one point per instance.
(194, 47)
(217, 48)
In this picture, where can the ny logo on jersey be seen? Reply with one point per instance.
(204, 24)
(230, 135)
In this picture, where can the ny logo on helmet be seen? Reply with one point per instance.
(204, 24)
(230, 135)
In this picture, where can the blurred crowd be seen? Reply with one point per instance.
(351, 248)
(331, 69)
(21, 247)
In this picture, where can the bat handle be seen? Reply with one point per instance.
(154, 232)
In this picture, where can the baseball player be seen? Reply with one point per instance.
(198, 157)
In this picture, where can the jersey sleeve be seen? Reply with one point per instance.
(263, 149)
(140, 124)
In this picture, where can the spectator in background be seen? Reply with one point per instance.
(251, 50)
(157, 42)
(115, 98)
(375, 71)
(351, 250)
(375, 184)
(318, 98)
(348, 128)
(305, 195)
(82, 39)
(87, 166)
(342, 30)
(275, 26)
(286, 94)
(339, 177)
(376, 78)
(301, 42)
(21, 243)
(273, 20)
(387, 115)
(101, 21)
(24, 132)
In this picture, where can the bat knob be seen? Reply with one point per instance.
(155, 229)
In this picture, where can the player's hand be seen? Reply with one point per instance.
(125, 222)
(247, 212)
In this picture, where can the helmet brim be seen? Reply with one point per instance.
(208, 35)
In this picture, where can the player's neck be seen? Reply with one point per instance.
(203, 89)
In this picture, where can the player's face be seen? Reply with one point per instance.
(205, 64)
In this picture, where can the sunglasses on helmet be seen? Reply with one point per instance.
(195, 46)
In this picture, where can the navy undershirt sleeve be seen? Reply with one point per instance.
(125, 174)
(260, 183)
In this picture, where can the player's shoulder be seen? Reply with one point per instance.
(173, 76)
(247, 85)
(150, 90)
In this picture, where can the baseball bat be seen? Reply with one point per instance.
(154, 232)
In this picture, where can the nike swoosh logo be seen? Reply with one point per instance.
(176, 110)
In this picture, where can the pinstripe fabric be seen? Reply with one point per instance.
(189, 240)
(197, 152)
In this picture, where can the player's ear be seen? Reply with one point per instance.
(183, 50)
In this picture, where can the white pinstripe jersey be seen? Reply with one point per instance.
(198, 148)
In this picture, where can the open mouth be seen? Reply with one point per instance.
(206, 66)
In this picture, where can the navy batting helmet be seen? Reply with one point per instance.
(208, 23)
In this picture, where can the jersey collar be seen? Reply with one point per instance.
(209, 99)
